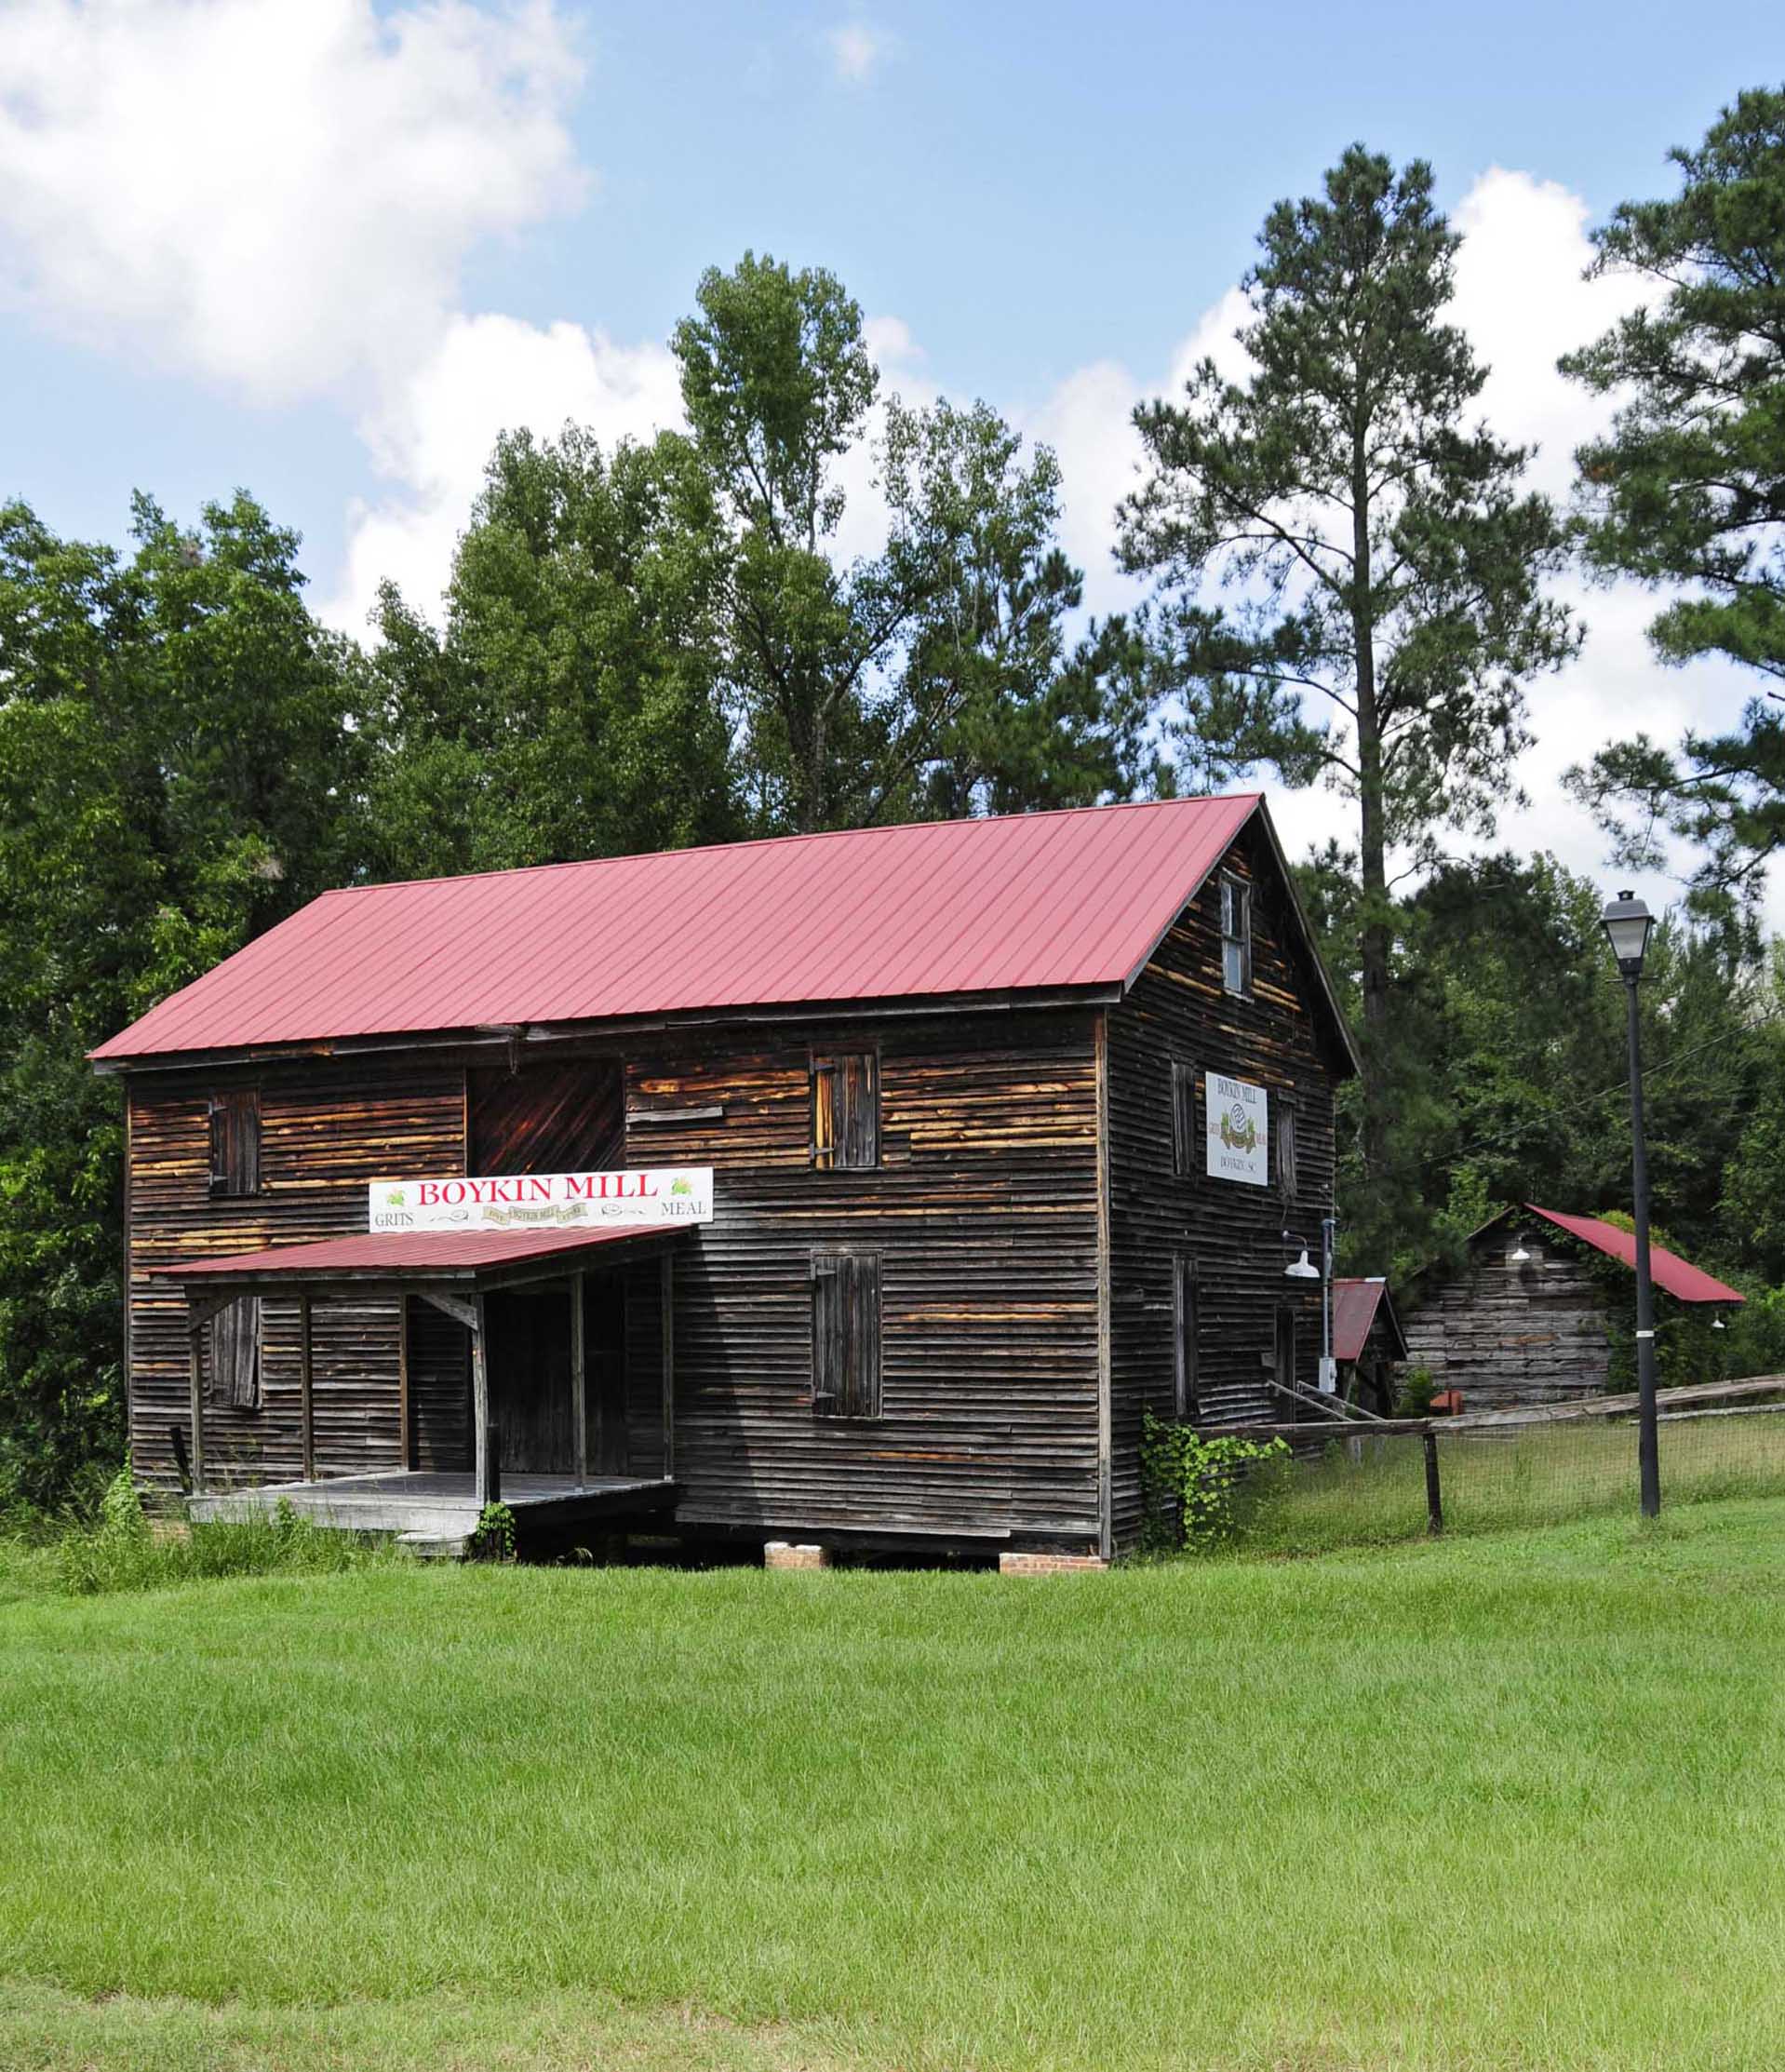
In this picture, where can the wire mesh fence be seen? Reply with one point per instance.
(1335, 1486)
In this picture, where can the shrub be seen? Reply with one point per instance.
(494, 1536)
(1418, 1385)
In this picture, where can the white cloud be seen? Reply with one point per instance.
(487, 375)
(274, 197)
(856, 50)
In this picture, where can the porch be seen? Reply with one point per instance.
(530, 1366)
(437, 1511)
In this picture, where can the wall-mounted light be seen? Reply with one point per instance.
(1302, 1269)
(1718, 1324)
(1521, 1255)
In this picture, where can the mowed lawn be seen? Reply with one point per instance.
(1511, 1801)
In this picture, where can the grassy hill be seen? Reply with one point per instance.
(1505, 1802)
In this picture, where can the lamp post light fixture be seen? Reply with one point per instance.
(1627, 924)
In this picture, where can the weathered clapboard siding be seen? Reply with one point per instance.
(326, 1131)
(984, 1209)
(1231, 1231)
(1506, 1331)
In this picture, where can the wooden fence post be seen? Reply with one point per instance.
(1434, 1495)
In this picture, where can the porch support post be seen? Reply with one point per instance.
(195, 1320)
(307, 1399)
(480, 1402)
(405, 1431)
(579, 1383)
(669, 1364)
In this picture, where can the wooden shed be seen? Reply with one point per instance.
(1529, 1316)
(858, 1189)
(1368, 1343)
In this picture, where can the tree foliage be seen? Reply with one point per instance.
(934, 674)
(1686, 491)
(571, 705)
(1351, 575)
(180, 764)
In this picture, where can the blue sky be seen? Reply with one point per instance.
(319, 249)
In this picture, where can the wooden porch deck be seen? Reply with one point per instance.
(438, 1510)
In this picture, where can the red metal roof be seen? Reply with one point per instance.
(1033, 900)
(1668, 1270)
(1355, 1304)
(406, 1252)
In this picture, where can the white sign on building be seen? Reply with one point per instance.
(1237, 1136)
(642, 1198)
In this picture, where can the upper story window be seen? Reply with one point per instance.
(236, 1141)
(1288, 1184)
(1183, 1116)
(845, 1109)
(1236, 935)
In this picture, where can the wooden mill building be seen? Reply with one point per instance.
(1527, 1318)
(858, 1187)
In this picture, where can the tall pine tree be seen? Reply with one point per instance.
(1349, 576)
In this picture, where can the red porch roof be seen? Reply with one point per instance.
(401, 1254)
(1682, 1280)
(1026, 902)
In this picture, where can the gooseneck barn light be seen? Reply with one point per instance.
(1627, 924)
(1302, 1269)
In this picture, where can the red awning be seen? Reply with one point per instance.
(1682, 1280)
(410, 1255)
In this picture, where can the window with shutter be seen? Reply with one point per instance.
(846, 1334)
(236, 1141)
(1184, 1337)
(1183, 1116)
(236, 1353)
(1286, 1179)
(845, 1110)
(1236, 936)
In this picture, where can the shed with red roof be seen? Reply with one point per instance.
(864, 1187)
(1531, 1314)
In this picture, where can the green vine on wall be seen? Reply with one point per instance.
(1197, 1493)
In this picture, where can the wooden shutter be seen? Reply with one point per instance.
(824, 1114)
(1285, 1348)
(1183, 1116)
(845, 1110)
(1286, 1177)
(846, 1334)
(830, 1332)
(1184, 1338)
(236, 1353)
(236, 1141)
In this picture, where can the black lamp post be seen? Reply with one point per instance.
(1626, 923)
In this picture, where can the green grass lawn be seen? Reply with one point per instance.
(1502, 1802)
